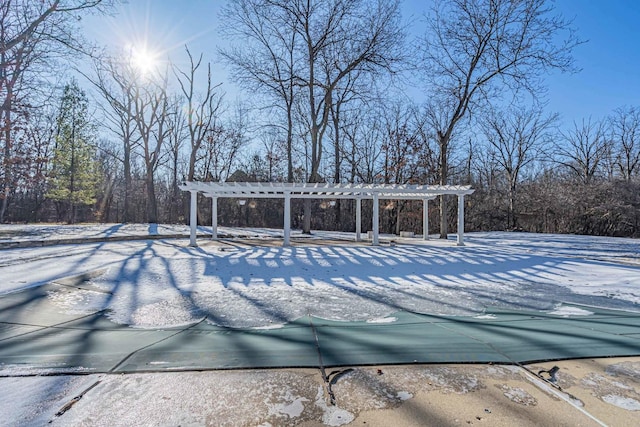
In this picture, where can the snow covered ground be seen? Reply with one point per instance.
(254, 282)
(257, 283)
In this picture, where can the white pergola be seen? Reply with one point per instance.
(357, 192)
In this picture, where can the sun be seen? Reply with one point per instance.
(144, 60)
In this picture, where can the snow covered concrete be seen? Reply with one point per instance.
(246, 284)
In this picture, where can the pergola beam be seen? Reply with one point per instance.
(331, 190)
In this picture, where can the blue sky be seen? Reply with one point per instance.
(609, 60)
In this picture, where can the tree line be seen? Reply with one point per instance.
(336, 91)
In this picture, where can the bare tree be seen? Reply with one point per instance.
(32, 35)
(222, 146)
(265, 63)
(362, 148)
(116, 81)
(347, 93)
(300, 51)
(275, 153)
(339, 38)
(152, 110)
(202, 109)
(583, 150)
(475, 50)
(28, 18)
(35, 155)
(402, 149)
(517, 137)
(625, 133)
(178, 134)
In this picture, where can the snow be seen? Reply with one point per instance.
(404, 395)
(259, 284)
(35, 400)
(332, 415)
(292, 409)
(486, 317)
(567, 311)
(166, 283)
(383, 320)
(627, 403)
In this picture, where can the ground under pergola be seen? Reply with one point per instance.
(357, 192)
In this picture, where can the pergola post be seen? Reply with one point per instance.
(193, 218)
(425, 218)
(214, 218)
(376, 219)
(287, 219)
(358, 219)
(460, 220)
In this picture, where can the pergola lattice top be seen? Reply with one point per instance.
(321, 190)
(288, 191)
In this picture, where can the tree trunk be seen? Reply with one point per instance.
(152, 204)
(336, 155)
(306, 221)
(289, 143)
(512, 217)
(72, 204)
(127, 217)
(444, 142)
(8, 175)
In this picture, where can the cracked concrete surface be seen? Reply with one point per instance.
(416, 395)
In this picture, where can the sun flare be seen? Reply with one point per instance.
(144, 60)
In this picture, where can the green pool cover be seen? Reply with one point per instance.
(35, 337)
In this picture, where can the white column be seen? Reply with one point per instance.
(193, 218)
(460, 220)
(376, 220)
(287, 219)
(425, 218)
(214, 218)
(358, 219)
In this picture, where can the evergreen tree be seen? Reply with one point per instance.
(73, 176)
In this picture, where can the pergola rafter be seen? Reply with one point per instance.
(358, 192)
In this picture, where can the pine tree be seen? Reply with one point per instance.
(73, 176)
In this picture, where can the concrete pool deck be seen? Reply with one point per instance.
(75, 368)
(415, 370)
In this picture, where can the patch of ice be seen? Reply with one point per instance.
(26, 370)
(272, 326)
(383, 320)
(292, 410)
(485, 316)
(518, 395)
(77, 301)
(566, 311)
(332, 415)
(622, 402)
(625, 369)
(404, 395)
